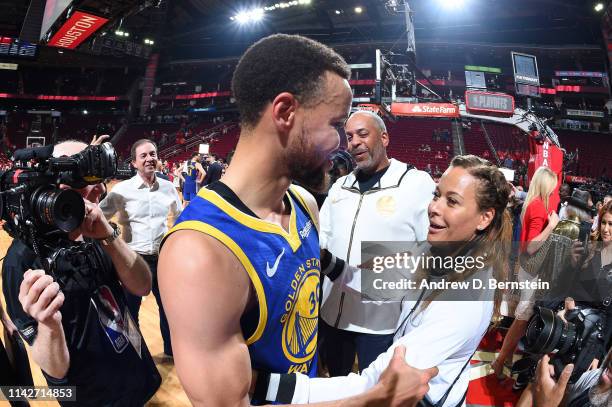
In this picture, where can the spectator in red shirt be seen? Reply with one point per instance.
(538, 218)
(538, 221)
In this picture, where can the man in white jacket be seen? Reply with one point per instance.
(383, 200)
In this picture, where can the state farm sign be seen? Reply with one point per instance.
(425, 109)
(77, 29)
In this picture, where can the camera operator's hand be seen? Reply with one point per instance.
(569, 305)
(95, 224)
(401, 384)
(547, 392)
(97, 140)
(41, 298)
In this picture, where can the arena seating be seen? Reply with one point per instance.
(505, 139)
(406, 137)
(594, 152)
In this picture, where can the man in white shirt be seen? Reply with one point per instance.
(383, 200)
(143, 204)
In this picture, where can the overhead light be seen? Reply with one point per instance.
(338, 11)
(126, 34)
(599, 7)
(119, 33)
(257, 14)
(358, 10)
(254, 15)
(452, 4)
(287, 4)
(242, 17)
(85, 112)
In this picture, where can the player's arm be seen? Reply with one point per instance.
(205, 291)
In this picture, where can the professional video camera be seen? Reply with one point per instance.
(41, 214)
(577, 341)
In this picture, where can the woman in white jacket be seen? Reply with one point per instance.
(467, 209)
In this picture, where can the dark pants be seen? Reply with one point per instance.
(339, 348)
(134, 301)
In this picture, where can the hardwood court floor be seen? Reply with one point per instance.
(169, 394)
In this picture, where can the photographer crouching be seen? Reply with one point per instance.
(63, 277)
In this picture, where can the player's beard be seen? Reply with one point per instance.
(301, 170)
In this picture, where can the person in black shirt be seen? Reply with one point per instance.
(214, 170)
(83, 338)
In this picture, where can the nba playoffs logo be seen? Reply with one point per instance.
(111, 319)
(300, 322)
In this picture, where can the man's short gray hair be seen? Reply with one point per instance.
(380, 123)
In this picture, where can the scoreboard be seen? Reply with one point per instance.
(14, 48)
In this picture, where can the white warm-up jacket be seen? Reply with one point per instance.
(395, 209)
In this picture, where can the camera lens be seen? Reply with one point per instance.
(543, 331)
(63, 209)
(568, 338)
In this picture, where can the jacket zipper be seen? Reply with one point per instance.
(348, 255)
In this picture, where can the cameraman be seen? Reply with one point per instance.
(82, 338)
(143, 204)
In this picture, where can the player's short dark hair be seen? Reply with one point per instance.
(282, 63)
(137, 144)
(195, 153)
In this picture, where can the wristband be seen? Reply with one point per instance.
(110, 239)
(331, 266)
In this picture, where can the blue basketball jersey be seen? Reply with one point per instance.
(284, 269)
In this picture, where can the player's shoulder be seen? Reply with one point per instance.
(306, 196)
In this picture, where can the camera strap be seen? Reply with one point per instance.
(405, 320)
(427, 403)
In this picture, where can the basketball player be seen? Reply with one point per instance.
(239, 272)
(195, 175)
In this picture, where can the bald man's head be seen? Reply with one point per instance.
(68, 148)
(367, 139)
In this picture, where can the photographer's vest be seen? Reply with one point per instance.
(284, 269)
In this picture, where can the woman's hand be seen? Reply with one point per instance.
(553, 220)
